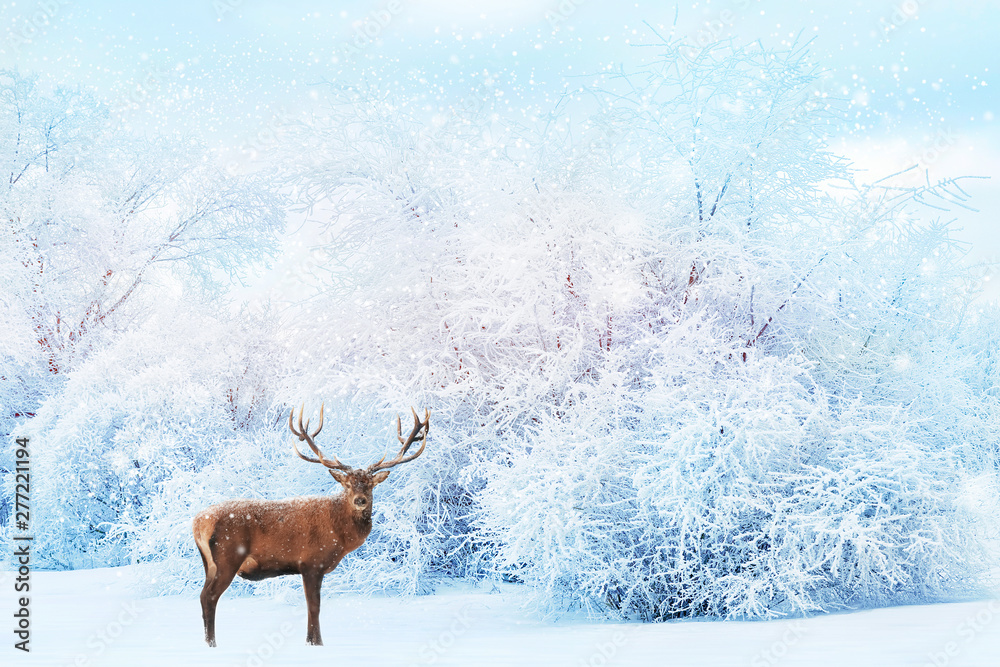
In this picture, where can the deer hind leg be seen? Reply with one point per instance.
(311, 582)
(222, 570)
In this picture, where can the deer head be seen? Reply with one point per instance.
(358, 483)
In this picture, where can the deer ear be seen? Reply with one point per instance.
(379, 477)
(339, 476)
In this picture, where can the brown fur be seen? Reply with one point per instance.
(309, 536)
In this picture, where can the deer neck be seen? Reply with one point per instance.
(363, 522)
(358, 523)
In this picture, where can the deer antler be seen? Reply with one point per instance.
(417, 427)
(303, 434)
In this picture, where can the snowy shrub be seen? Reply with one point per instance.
(97, 221)
(739, 492)
(152, 410)
(100, 227)
(679, 361)
(679, 364)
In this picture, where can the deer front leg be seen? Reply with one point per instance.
(311, 582)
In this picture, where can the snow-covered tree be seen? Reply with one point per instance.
(167, 418)
(93, 216)
(102, 231)
(679, 361)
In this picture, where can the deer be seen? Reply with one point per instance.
(258, 539)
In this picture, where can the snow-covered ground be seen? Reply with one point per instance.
(94, 617)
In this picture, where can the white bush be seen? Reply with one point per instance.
(679, 363)
(672, 371)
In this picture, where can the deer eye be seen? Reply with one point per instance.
(360, 501)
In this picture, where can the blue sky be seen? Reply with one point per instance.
(920, 72)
